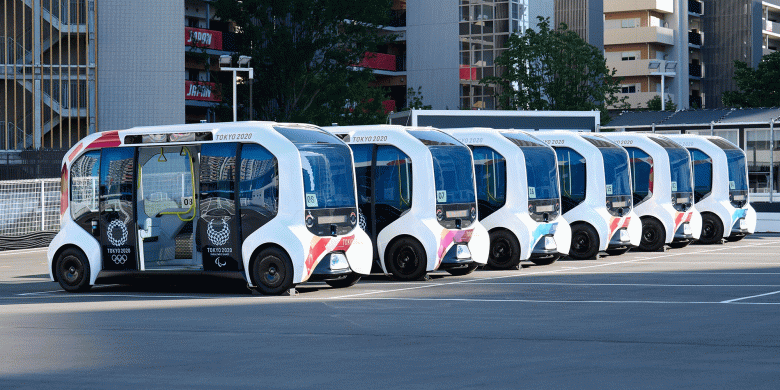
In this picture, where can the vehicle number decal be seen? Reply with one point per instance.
(609, 189)
(532, 192)
(311, 200)
(674, 186)
(441, 196)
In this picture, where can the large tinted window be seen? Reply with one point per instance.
(393, 178)
(327, 176)
(641, 174)
(737, 170)
(541, 171)
(217, 180)
(572, 168)
(453, 175)
(490, 173)
(363, 155)
(680, 167)
(258, 187)
(616, 171)
(84, 175)
(702, 174)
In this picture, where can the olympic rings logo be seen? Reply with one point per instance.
(119, 259)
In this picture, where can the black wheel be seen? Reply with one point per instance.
(617, 252)
(504, 250)
(347, 281)
(680, 244)
(73, 270)
(711, 229)
(546, 260)
(653, 235)
(584, 242)
(463, 271)
(736, 237)
(406, 259)
(272, 272)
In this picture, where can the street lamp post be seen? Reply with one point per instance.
(669, 69)
(225, 62)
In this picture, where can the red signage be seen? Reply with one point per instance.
(199, 37)
(198, 90)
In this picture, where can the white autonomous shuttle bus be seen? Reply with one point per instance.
(417, 199)
(720, 188)
(596, 195)
(273, 202)
(661, 178)
(518, 196)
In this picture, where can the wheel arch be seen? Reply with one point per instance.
(663, 226)
(249, 275)
(398, 238)
(57, 254)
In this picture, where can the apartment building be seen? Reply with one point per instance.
(655, 44)
(584, 17)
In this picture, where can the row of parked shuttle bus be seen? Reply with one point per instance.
(282, 204)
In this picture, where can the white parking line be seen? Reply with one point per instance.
(752, 296)
(521, 274)
(625, 284)
(562, 301)
(23, 251)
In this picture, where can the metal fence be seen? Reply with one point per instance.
(29, 212)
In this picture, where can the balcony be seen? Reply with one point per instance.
(771, 27)
(694, 70)
(379, 61)
(632, 68)
(694, 38)
(663, 6)
(202, 38)
(640, 99)
(624, 36)
(695, 7)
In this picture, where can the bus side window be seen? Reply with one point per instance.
(363, 155)
(702, 174)
(490, 174)
(641, 173)
(258, 187)
(573, 173)
(393, 181)
(84, 188)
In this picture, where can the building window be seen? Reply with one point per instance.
(630, 55)
(628, 89)
(629, 23)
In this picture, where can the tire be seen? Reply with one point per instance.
(463, 271)
(73, 271)
(347, 281)
(711, 229)
(653, 235)
(736, 237)
(584, 242)
(272, 272)
(406, 259)
(546, 261)
(617, 252)
(680, 244)
(504, 250)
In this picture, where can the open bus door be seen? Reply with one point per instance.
(117, 204)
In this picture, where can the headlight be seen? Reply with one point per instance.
(624, 235)
(439, 214)
(473, 213)
(309, 221)
(353, 218)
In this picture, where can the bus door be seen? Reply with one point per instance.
(166, 208)
(218, 224)
(117, 203)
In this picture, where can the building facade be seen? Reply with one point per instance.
(584, 17)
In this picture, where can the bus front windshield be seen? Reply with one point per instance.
(453, 174)
(540, 167)
(327, 176)
(680, 167)
(616, 172)
(737, 170)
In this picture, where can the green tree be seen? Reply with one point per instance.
(758, 87)
(554, 70)
(654, 104)
(414, 100)
(304, 54)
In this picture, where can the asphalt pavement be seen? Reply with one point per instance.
(697, 317)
